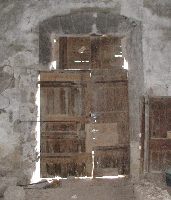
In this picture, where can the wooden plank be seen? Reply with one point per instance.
(108, 52)
(43, 102)
(64, 118)
(59, 135)
(112, 158)
(62, 52)
(62, 155)
(54, 126)
(111, 148)
(160, 115)
(109, 75)
(78, 51)
(159, 144)
(64, 145)
(64, 77)
(57, 107)
(62, 101)
(101, 134)
(95, 53)
(80, 165)
(110, 98)
(50, 101)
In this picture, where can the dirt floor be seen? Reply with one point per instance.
(169, 190)
(100, 189)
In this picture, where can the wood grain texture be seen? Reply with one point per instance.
(160, 124)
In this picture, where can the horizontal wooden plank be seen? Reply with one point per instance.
(77, 165)
(53, 127)
(54, 146)
(56, 135)
(62, 155)
(59, 137)
(65, 76)
(110, 148)
(58, 132)
(63, 118)
(60, 85)
(160, 144)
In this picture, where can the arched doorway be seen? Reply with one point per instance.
(72, 25)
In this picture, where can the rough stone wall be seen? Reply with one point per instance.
(19, 70)
(132, 8)
(156, 36)
(157, 47)
(19, 56)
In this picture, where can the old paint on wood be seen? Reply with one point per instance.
(160, 124)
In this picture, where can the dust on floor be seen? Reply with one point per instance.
(100, 189)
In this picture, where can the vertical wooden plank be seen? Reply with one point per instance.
(95, 52)
(71, 96)
(168, 115)
(57, 108)
(50, 100)
(147, 136)
(83, 103)
(78, 50)
(43, 102)
(87, 99)
(160, 143)
(62, 52)
(106, 51)
(158, 118)
(66, 97)
(62, 101)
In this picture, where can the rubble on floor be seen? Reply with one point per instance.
(148, 191)
(44, 184)
(86, 189)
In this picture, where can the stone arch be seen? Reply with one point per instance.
(81, 23)
(104, 21)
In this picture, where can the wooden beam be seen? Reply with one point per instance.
(63, 77)
(62, 155)
(62, 52)
(64, 118)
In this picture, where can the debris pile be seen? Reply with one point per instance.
(148, 191)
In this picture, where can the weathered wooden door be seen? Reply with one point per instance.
(63, 118)
(109, 129)
(160, 133)
(84, 112)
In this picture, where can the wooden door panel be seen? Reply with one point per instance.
(72, 100)
(64, 166)
(160, 143)
(62, 128)
(61, 101)
(109, 106)
(111, 161)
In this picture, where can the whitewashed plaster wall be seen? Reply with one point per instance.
(19, 65)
